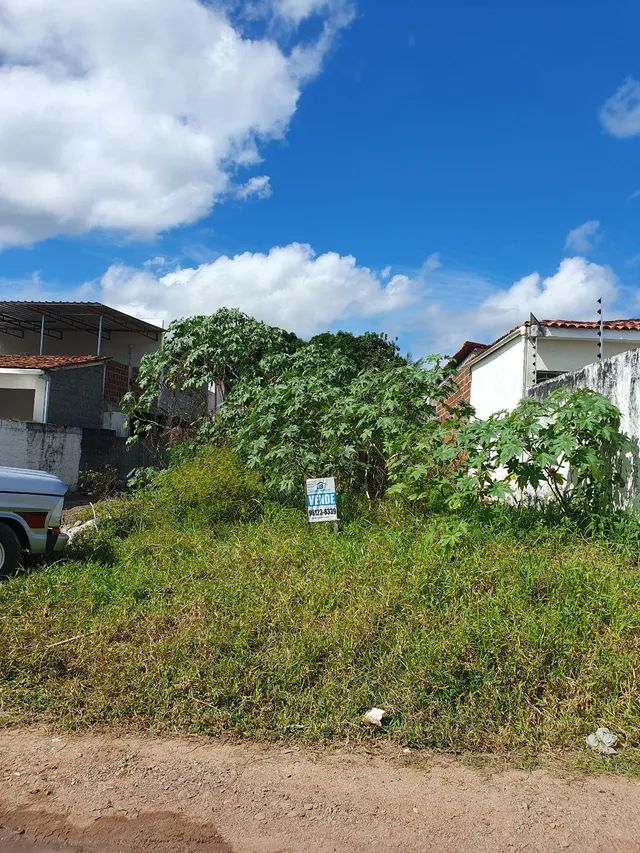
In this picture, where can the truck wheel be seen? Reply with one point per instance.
(10, 550)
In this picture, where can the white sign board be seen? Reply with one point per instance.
(321, 499)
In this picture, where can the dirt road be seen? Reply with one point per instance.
(105, 794)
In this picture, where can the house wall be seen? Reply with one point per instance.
(497, 380)
(66, 451)
(126, 347)
(558, 354)
(462, 393)
(76, 396)
(617, 379)
(102, 447)
(34, 383)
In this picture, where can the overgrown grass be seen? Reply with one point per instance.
(492, 633)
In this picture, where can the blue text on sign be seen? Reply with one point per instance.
(321, 499)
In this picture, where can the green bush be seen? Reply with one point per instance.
(492, 632)
(211, 488)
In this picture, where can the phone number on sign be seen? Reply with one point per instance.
(316, 513)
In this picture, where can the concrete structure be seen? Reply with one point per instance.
(52, 330)
(617, 379)
(56, 450)
(462, 360)
(61, 390)
(75, 328)
(495, 377)
(64, 367)
(66, 451)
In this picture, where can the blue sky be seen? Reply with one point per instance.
(433, 169)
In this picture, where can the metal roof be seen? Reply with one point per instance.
(70, 316)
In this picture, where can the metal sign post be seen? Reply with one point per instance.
(321, 500)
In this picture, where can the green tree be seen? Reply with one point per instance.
(307, 414)
(371, 349)
(197, 352)
(568, 448)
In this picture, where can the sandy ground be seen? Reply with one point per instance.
(130, 795)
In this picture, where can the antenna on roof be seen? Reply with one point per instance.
(600, 330)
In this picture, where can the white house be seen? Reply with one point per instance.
(499, 375)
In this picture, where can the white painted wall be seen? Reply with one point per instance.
(42, 448)
(29, 380)
(125, 347)
(116, 421)
(497, 380)
(561, 354)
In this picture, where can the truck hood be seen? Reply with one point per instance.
(33, 482)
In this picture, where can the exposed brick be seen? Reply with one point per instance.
(116, 383)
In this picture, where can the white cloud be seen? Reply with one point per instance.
(290, 286)
(582, 238)
(293, 12)
(259, 186)
(297, 10)
(455, 311)
(569, 294)
(134, 116)
(620, 114)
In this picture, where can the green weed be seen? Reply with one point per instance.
(201, 609)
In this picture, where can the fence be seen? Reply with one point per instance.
(65, 451)
(617, 379)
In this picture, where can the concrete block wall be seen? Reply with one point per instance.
(66, 451)
(75, 396)
(617, 379)
(42, 447)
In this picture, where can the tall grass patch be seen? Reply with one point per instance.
(225, 614)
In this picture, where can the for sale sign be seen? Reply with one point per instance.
(321, 499)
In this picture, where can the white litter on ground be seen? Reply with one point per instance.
(80, 527)
(602, 740)
(373, 717)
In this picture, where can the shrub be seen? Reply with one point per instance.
(99, 484)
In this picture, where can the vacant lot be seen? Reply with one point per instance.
(201, 608)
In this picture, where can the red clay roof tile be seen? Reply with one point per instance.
(48, 362)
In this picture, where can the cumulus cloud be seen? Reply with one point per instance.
(290, 286)
(620, 114)
(582, 238)
(484, 312)
(569, 294)
(135, 116)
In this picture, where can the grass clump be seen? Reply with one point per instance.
(209, 616)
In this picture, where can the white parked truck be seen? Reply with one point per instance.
(31, 505)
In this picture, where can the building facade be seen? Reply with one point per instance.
(495, 377)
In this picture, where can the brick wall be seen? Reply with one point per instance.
(462, 393)
(116, 382)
